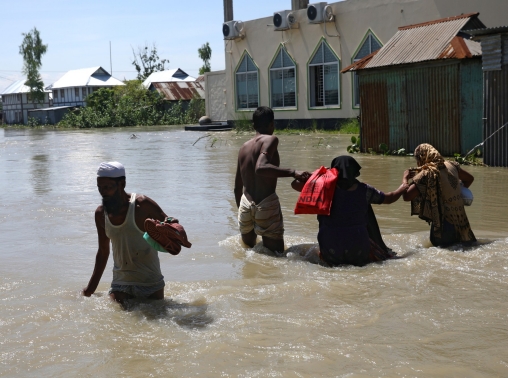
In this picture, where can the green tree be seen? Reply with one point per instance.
(146, 61)
(32, 49)
(205, 53)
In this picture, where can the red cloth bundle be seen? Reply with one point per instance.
(317, 194)
(171, 236)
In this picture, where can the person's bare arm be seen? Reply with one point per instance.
(411, 193)
(148, 208)
(238, 190)
(101, 259)
(394, 196)
(466, 177)
(264, 167)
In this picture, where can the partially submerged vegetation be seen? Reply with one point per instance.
(131, 105)
(351, 126)
(473, 158)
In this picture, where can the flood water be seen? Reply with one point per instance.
(231, 311)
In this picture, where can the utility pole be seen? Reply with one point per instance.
(299, 4)
(228, 10)
(110, 60)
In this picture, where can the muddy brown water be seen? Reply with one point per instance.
(231, 311)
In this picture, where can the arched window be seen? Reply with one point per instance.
(283, 81)
(324, 84)
(368, 46)
(247, 88)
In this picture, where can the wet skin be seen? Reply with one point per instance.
(256, 177)
(145, 208)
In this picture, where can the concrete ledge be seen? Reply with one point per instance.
(215, 126)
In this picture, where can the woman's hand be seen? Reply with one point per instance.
(406, 176)
(297, 185)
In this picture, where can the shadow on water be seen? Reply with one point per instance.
(187, 315)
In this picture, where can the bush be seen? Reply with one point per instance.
(131, 105)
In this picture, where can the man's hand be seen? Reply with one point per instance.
(302, 176)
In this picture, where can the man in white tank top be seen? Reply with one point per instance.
(120, 220)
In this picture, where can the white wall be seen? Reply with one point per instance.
(354, 18)
(215, 95)
(16, 106)
(70, 98)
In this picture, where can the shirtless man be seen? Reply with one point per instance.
(258, 168)
(120, 219)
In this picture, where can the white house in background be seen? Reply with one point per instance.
(16, 102)
(73, 87)
(166, 77)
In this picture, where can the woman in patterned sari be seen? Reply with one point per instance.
(435, 196)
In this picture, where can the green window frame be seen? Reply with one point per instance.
(324, 78)
(247, 84)
(283, 81)
(369, 44)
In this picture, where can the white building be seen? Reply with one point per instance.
(73, 87)
(16, 102)
(167, 76)
(291, 59)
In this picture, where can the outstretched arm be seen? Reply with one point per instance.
(101, 259)
(395, 195)
(264, 166)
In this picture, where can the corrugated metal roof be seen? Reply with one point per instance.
(167, 76)
(493, 57)
(487, 31)
(180, 90)
(91, 77)
(18, 87)
(427, 41)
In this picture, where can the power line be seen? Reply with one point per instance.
(6, 78)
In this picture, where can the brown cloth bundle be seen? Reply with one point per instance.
(171, 236)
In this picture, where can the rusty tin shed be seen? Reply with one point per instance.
(494, 43)
(423, 86)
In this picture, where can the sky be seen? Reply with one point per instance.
(78, 33)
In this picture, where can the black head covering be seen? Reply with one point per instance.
(349, 170)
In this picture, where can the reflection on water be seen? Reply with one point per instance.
(231, 310)
(40, 174)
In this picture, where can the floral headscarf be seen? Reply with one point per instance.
(429, 204)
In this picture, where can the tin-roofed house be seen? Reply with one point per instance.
(176, 85)
(16, 102)
(423, 86)
(73, 87)
(494, 43)
(71, 90)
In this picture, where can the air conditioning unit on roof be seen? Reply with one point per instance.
(233, 30)
(319, 12)
(284, 20)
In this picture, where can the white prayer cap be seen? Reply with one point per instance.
(111, 169)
